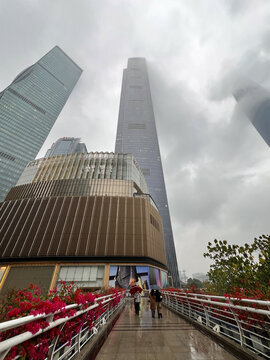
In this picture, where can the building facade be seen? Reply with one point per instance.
(254, 100)
(29, 107)
(85, 218)
(136, 134)
(66, 145)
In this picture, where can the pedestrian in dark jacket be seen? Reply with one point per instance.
(153, 305)
(137, 301)
(158, 303)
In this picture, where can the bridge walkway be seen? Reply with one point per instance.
(144, 338)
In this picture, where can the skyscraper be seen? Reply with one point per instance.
(136, 134)
(66, 145)
(254, 100)
(28, 110)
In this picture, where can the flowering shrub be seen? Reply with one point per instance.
(30, 302)
(236, 265)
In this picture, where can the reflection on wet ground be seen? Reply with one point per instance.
(142, 337)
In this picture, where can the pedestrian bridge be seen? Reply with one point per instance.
(142, 337)
(193, 326)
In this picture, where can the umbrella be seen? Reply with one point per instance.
(134, 289)
(155, 287)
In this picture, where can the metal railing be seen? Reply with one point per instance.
(68, 349)
(245, 321)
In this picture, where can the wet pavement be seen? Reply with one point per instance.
(144, 338)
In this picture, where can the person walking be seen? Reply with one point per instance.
(152, 298)
(137, 301)
(158, 301)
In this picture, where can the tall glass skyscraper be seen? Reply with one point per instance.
(28, 110)
(254, 100)
(136, 134)
(66, 145)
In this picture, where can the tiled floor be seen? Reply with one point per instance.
(143, 338)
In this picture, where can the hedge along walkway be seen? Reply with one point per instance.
(142, 337)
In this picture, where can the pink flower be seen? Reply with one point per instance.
(33, 327)
(25, 306)
(13, 313)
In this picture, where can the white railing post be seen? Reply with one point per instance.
(241, 334)
(4, 354)
(54, 342)
(205, 309)
(189, 306)
(78, 340)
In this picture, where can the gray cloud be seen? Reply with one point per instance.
(211, 169)
(237, 7)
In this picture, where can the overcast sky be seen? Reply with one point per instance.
(216, 165)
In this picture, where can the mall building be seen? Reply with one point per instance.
(82, 217)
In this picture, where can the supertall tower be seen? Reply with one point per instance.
(136, 134)
(28, 110)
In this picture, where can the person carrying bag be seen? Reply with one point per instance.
(153, 304)
(158, 301)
